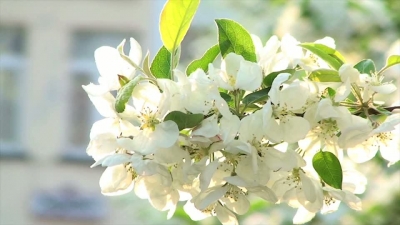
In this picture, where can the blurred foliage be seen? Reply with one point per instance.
(360, 28)
(382, 214)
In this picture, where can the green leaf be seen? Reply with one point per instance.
(177, 56)
(122, 80)
(175, 20)
(232, 37)
(325, 75)
(366, 66)
(269, 79)
(146, 65)
(255, 97)
(331, 92)
(203, 62)
(328, 167)
(184, 120)
(161, 65)
(329, 55)
(391, 61)
(382, 110)
(225, 96)
(124, 94)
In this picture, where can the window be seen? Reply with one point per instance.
(12, 63)
(83, 70)
(68, 203)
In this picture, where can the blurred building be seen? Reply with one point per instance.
(46, 54)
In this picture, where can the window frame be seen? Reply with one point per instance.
(74, 152)
(16, 64)
(81, 64)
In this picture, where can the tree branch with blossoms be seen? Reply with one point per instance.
(271, 120)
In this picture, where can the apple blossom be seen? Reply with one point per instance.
(260, 125)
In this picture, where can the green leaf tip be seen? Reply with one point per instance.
(366, 66)
(203, 62)
(329, 55)
(233, 37)
(390, 61)
(328, 167)
(324, 75)
(184, 120)
(161, 65)
(124, 94)
(175, 20)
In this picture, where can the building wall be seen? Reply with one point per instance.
(40, 161)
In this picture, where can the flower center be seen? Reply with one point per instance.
(383, 138)
(234, 193)
(328, 128)
(293, 178)
(148, 118)
(328, 200)
(209, 210)
(231, 80)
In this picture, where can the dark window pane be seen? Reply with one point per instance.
(85, 43)
(8, 106)
(80, 111)
(11, 40)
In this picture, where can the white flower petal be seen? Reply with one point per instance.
(384, 88)
(146, 96)
(209, 196)
(348, 73)
(208, 127)
(326, 110)
(103, 101)
(389, 124)
(294, 96)
(353, 201)
(249, 76)
(141, 190)
(229, 127)
(264, 193)
(390, 149)
(108, 62)
(112, 160)
(294, 128)
(173, 154)
(95, 90)
(331, 207)
(165, 134)
(207, 173)
(363, 152)
(274, 93)
(343, 91)
(355, 178)
(102, 145)
(239, 204)
(163, 198)
(303, 216)
(231, 64)
(194, 213)
(237, 181)
(273, 131)
(356, 133)
(116, 180)
(328, 41)
(308, 187)
(135, 52)
(225, 216)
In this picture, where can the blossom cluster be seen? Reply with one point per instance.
(217, 136)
